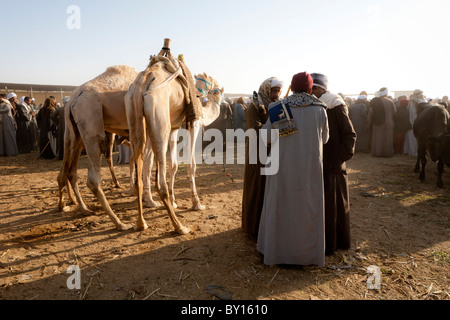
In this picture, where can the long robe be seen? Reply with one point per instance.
(58, 120)
(24, 136)
(358, 115)
(401, 127)
(254, 182)
(239, 121)
(8, 145)
(410, 146)
(339, 149)
(382, 134)
(46, 128)
(292, 228)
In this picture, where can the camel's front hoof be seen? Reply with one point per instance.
(65, 209)
(140, 226)
(198, 207)
(152, 204)
(124, 227)
(174, 205)
(183, 230)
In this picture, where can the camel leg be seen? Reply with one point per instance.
(62, 183)
(67, 175)
(73, 179)
(94, 182)
(108, 153)
(162, 188)
(138, 184)
(173, 166)
(146, 176)
(192, 166)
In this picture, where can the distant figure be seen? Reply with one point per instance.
(381, 115)
(401, 124)
(8, 145)
(124, 151)
(24, 133)
(46, 129)
(58, 120)
(358, 115)
(239, 121)
(410, 147)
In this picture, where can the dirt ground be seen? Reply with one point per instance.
(398, 224)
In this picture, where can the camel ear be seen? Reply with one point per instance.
(195, 76)
(221, 90)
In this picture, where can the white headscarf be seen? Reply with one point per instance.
(276, 83)
(383, 93)
(11, 95)
(332, 100)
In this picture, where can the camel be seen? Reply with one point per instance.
(207, 86)
(94, 110)
(155, 106)
(95, 106)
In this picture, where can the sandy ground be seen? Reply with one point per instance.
(398, 224)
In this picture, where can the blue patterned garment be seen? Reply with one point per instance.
(280, 113)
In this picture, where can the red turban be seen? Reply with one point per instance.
(302, 81)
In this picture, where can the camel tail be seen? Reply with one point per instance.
(134, 101)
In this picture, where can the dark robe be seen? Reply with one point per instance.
(358, 115)
(239, 121)
(58, 120)
(24, 136)
(339, 149)
(223, 122)
(8, 145)
(254, 182)
(45, 126)
(401, 126)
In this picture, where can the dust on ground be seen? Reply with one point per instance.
(398, 224)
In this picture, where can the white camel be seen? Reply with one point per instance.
(96, 112)
(155, 106)
(208, 89)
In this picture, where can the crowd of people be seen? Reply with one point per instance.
(302, 213)
(26, 127)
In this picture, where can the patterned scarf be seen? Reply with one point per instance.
(281, 115)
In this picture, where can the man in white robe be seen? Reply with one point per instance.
(410, 146)
(292, 226)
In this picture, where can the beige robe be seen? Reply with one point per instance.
(292, 227)
(383, 135)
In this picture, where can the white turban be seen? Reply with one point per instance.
(362, 97)
(11, 95)
(383, 93)
(22, 99)
(276, 83)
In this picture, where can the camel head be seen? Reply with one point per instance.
(211, 110)
(216, 95)
(204, 84)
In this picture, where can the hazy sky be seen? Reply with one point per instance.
(360, 45)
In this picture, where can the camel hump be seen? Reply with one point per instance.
(120, 69)
(115, 78)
